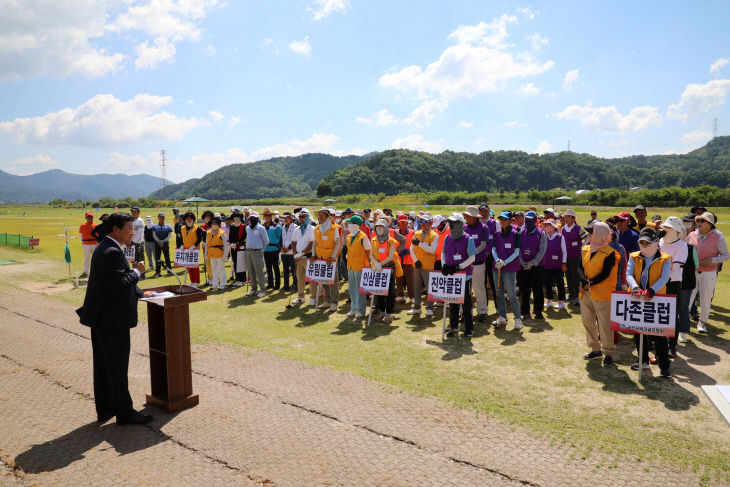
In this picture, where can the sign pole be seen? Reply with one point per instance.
(316, 300)
(370, 314)
(443, 324)
(641, 355)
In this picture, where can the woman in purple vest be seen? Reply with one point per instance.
(530, 277)
(574, 236)
(458, 254)
(506, 251)
(554, 263)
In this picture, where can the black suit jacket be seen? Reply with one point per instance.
(111, 294)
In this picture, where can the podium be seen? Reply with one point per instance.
(169, 338)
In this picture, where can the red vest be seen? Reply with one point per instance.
(706, 247)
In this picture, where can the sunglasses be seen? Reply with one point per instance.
(698, 221)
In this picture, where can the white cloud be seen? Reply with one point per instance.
(570, 78)
(216, 116)
(150, 56)
(66, 38)
(319, 142)
(465, 124)
(544, 147)
(480, 62)
(696, 136)
(383, 118)
(210, 50)
(529, 90)
(134, 163)
(416, 142)
(698, 99)
(30, 165)
(514, 123)
(103, 121)
(322, 8)
(233, 121)
(528, 12)
(608, 119)
(301, 47)
(537, 41)
(719, 64)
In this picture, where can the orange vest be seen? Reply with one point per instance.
(86, 237)
(592, 266)
(189, 235)
(382, 250)
(427, 260)
(357, 256)
(326, 243)
(407, 259)
(655, 269)
(214, 242)
(442, 239)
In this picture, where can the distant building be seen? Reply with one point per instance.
(583, 191)
(636, 188)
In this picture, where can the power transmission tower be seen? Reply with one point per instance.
(163, 166)
(714, 128)
(568, 146)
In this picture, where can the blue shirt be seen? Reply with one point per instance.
(629, 239)
(660, 283)
(274, 234)
(162, 232)
(256, 238)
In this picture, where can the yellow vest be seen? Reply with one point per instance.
(593, 266)
(655, 269)
(325, 243)
(428, 260)
(189, 235)
(215, 244)
(357, 257)
(649, 224)
(381, 256)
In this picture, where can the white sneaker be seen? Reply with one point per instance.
(499, 322)
(548, 304)
(333, 307)
(324, 305)
(414, 311)
(518, 323)
(359, 315)
(222, 288)
(429, 312)
(237, 284)
(312, 302)
(250, 293)
(701, 327)
(560, 305)
(387, 318)
(351, 313)
(195, 285)
(682, 338)
(297, 301)
(261, 294)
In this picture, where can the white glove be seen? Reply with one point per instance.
(499, 264)
(377, 267)
(297, 255)
(462, 266)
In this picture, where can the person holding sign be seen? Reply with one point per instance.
(598, 274)
(423, 252)
(383, 255)
(647, 274)
(192, 235)
(326, 246)
(507, 243)
(459, 254)
(358, 256)
(217, 244)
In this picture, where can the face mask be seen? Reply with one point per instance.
(189, 225)
(688, 225)
(671, 235)
(253, 221)
(353, 228)
(338, 220)
(382, 233)
(649, 250)
(457, 230)
(530, 225)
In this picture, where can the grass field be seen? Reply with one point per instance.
(535, 378)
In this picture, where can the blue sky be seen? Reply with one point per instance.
(101, 86)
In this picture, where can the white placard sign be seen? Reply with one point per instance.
(649, 317)
(187, 258)
(129, 252)
(320, 273)
(448, 289)
(377, 283)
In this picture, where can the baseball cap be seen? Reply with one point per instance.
(531, 215)
(88, 213)
(357, 220)
(689, 217)
(483, 206)
(402, 218)
(639, 208)
(507, 215)
(648, 234)
(159, 214)
(135, 208)
(623, 215)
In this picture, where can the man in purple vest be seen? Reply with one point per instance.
(574, 236)
(486, 216)
(506, 251)
(530, 277)
(478, 231)
(458, 254)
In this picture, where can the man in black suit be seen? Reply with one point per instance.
(110, 309)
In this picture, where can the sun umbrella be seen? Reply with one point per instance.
(197, 200)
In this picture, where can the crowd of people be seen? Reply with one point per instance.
(535, 261)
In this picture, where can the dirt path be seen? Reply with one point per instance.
(262, 420)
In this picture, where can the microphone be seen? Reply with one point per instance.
(176, 276)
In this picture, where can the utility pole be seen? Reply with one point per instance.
(163, 167)
(568, 146)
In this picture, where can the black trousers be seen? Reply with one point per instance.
(290, 267)
(165, 249)
(661, 348)
(271, 259)
(240, 276)
(571, 275)
(387, 303)
(454, 312)
(111, 363)
(490, 276)
(554, 276)
(139, 252)
(674, 287)
(530, 281)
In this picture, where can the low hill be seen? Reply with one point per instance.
(49, 185)
(272, 178)
(400, 170)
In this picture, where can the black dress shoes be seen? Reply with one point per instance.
(134, 417)
(104, 416)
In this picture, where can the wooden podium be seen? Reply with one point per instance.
(169, 334)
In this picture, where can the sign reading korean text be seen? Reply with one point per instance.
(129, 253)
(320, 273)
(372, 282)
(187, 258)
(448, 289)
(34, 242)
(648, 317)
